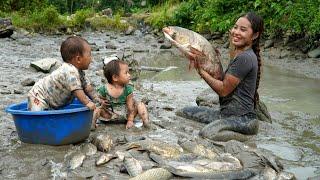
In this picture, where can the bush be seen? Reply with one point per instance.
(80, 17)
(219, 15)
(46, 19)
(106, 23)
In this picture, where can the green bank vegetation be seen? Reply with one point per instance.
(293, 17)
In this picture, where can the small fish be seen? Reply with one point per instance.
(158, 147)
(154, 174)
(198, 149)
(105, 158)
(132, 165)
(103, 142)
(76, 160)
(188, 41)
(89, 149)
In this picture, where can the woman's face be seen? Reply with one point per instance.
(242, 33)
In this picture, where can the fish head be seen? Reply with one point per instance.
(177, 35)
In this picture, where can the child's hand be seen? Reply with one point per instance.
(91, 105)
(129, 124)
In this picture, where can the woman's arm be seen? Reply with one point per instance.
(221, 87)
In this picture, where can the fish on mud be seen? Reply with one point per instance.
(132, 165)
(89, 149)
(76, 161)
(198, 149)
(201, 168)
(103, 142)
(105, 158)
(188, 41)
(158, 147)
(154, 174)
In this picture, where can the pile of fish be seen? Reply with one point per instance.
(150, 156)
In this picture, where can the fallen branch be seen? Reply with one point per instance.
(156, 69)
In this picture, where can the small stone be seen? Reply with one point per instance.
(269, 43)
(129, 31)
(315, 53)
(165, 46)
(18, 91)
(111, 46)
(28, 82)
(5, 91)
(44, 65)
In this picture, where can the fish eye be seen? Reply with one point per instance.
(174, 35)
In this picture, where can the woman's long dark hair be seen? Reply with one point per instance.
(257, 27)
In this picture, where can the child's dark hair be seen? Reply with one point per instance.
(112, 68)
(71, 47)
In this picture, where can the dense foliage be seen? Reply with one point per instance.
(281, 17)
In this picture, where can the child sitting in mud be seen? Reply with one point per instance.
(119, 95)
(68, 81)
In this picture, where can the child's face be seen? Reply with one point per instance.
(85, 60)
(124, 76)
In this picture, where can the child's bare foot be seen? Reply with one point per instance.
(129, 124)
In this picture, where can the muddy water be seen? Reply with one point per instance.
(292, 100)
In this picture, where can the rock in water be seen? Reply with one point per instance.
(6, 28)
(188, 41)
(44, 65)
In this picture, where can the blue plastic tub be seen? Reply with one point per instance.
(70, 124)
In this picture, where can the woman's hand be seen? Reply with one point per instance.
(197, 58)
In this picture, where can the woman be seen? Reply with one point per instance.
(237, 89)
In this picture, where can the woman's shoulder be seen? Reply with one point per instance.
(248, 53)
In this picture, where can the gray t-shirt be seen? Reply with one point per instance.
(241, 100)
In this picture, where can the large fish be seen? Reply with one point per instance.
(188, 41)
(202, 168)
(154, 174)
(158, 147)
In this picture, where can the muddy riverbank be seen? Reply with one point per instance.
(293, 136)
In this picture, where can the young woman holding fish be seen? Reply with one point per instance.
(237, 89)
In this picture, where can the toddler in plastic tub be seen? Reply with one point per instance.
(118, 94)
(68, 81)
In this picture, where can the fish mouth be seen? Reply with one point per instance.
(166, 30)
